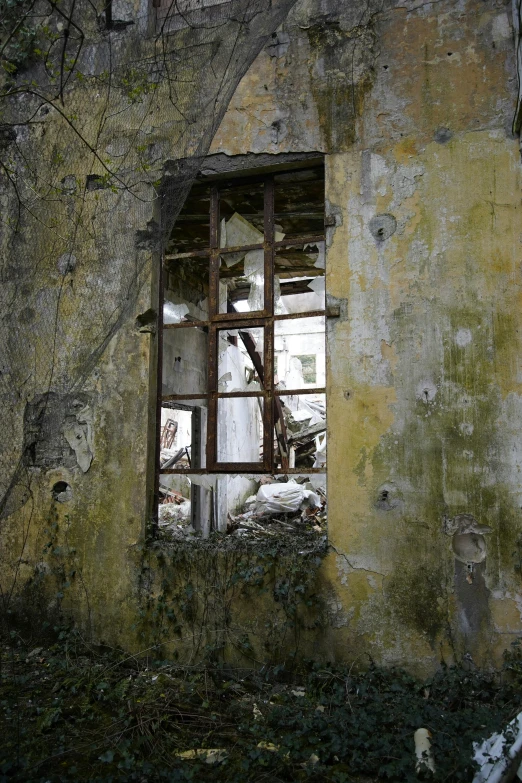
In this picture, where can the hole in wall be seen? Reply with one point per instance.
(61, 492)
(388, 498)
(382, 227)
(469, 547)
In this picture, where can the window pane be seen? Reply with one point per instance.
(299, 202)
(183, 435)
(240, 359)
(304, 434)
(185, 361)
(242, 282)
(299, 284)
(240, 429)
(192, 228)
(186, 284)
(299, 346)
(241, 210)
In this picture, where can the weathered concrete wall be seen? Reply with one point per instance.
(412, 106)
(424, 366)
(79, 261)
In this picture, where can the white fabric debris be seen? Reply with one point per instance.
(493, 754)
(174, 313)
(320, 454)
(285, 498)
(423, 751)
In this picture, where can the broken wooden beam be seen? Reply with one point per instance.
(308, 433)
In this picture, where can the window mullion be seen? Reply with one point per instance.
(268, 412)
(212, 398)
(213, 341)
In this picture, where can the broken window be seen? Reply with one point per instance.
(243, 364)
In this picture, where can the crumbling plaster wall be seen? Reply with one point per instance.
(78, 267)
(412, 106)
(424, 364)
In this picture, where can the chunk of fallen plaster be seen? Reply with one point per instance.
(77, 438)
(496, 753)
(423, 751)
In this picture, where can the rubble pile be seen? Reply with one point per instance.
(281, 507)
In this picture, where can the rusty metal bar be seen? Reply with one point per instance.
(232, 317)
(298, 471)
(241, 248)
(243, 323)
(282, 244)
(269, 231)
(228, 395)
(295, 392)
(212, 399)
(225, 395)
(241, 467)
(194, 396)
(293, 316)
(236, 467)
(289, 243)
(189, 254)
(273, 411)
(184, 324)
(159, 391)
(204, 396)
(213, 303)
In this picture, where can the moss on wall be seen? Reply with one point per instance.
(412, 108)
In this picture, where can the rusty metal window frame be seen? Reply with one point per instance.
(272, 411)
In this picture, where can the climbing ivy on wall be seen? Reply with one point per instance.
(230, 598)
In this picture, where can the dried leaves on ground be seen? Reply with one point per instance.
(73, 711)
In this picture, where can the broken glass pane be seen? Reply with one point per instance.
(186, 290)
(192, 228)
(295, 338)
(240, 359)
(242, 282)
(241, 209)
(299, 284)
(303, 437)
(299, 202)
(183, 435)
(240, 429)
(185, 361)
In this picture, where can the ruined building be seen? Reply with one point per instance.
(261, 375)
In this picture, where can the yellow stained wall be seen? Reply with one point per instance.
(425, 362)
(412, 110)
